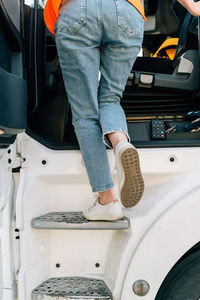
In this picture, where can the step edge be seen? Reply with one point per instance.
(70, 226)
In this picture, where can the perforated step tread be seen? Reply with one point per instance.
(76, 221)
(72, 288)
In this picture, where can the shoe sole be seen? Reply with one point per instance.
(103, 217)
(133, 187)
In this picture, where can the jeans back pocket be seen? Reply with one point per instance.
(72, 16)
(129, 19)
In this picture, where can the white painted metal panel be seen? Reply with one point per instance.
(62, 185)
(7, 270)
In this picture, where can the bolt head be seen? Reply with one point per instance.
(141, 287)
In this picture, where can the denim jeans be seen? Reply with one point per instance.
(81, 28)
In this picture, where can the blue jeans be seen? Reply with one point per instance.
(83, 26)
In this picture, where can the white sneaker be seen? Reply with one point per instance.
(131, 184)
(108, 212)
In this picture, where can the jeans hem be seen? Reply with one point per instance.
(103, 189)
(107, 141)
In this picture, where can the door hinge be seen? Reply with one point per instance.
(17, 162)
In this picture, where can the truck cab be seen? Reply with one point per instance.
(47, 249)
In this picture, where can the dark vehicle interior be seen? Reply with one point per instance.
(161, 99)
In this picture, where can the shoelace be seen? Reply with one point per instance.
(95, 196)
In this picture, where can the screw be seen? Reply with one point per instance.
(16, 230)
(44, 162)
(9, 151)
(97, 265)
(141, 288)
(57, 265)
(9, 161)
(172, 159)
(17, 237)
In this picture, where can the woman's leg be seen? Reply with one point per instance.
(79, 56)
(122, 39)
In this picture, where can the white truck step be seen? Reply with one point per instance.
(76, 221)
(72, 288)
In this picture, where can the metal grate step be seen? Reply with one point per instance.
(76, 221)
(72, 288)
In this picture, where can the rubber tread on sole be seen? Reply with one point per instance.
(133, 187)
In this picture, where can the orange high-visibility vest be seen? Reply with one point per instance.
(51, 11)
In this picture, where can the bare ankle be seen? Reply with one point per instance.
(116, 137)
(107, 197)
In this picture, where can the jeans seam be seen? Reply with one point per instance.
(100, 19)
(79, 24)
(123, 24)
(104, 188)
